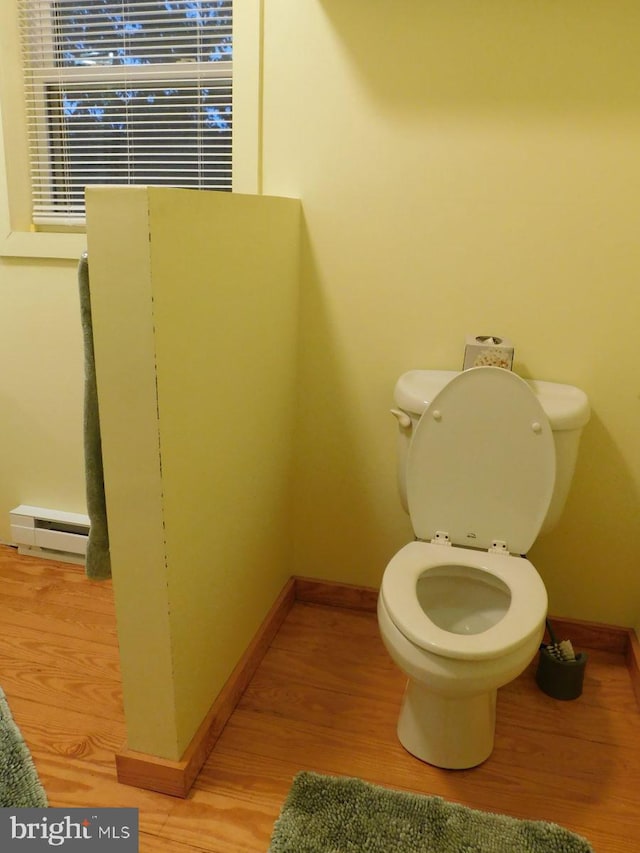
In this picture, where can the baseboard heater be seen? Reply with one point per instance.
(50, 533)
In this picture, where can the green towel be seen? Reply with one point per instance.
(20, 786)
(324, 814)
(98, 562)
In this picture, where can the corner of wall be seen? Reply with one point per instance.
(121, 302)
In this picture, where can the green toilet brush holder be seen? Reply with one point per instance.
(560, 671)
(561, 679)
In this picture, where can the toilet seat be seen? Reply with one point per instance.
(526, 611)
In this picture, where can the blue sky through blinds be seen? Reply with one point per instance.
(171, 129)
(102, 32)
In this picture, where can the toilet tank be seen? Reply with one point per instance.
(566, 407)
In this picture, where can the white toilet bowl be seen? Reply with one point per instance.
(483, 462)
(460, 624)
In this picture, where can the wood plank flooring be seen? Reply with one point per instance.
(325, 698)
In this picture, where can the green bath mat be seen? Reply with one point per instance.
(19, 783)
(324, 814)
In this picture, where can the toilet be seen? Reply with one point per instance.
(485, 461)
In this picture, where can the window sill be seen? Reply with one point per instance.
(25, 244)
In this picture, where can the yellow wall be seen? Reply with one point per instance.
(194, 299)
(41, 457)
(463, 168)
(41, 359)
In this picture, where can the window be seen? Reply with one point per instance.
(125, 92)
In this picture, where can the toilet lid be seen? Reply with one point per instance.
(481, 463)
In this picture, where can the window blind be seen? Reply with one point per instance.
(125, 92)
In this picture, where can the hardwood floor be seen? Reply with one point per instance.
(325, 698)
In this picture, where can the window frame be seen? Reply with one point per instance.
(18, 236)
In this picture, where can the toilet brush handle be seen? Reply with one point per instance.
(554, 639)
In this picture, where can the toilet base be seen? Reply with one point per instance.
(446, 732)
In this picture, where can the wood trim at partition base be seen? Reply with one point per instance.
(176, 777)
